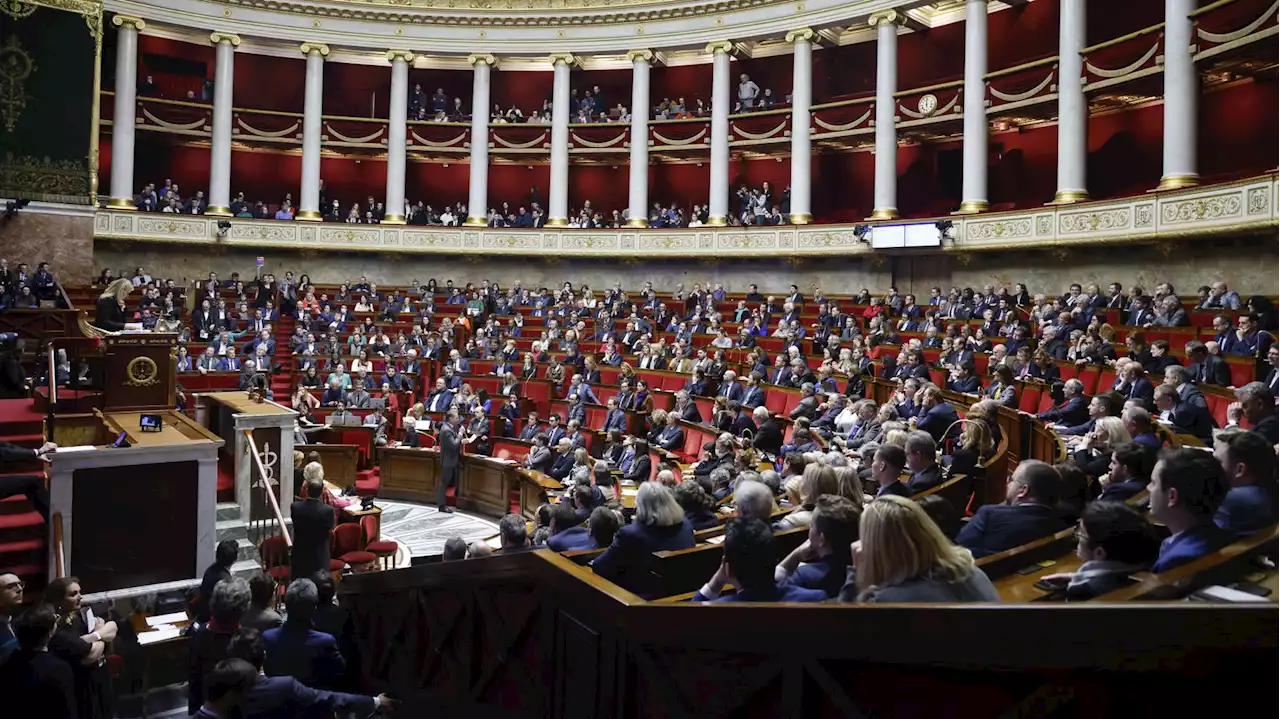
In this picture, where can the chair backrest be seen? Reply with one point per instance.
(348, 537)
(273, 551)
(1029, 398)
(368, 528)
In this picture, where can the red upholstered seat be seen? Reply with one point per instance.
(280, 574)
(1241, 373)
(357, 558)
(336, 565)
(1029, 398)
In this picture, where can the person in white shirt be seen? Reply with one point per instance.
(748, 91)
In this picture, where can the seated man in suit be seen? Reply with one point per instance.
(1131, 384)
(1074, 408)
(296, 649)
(614, 417)
(768, 436)
(540, 457)
(635, 464)
(672, 438)
(1099, 407)
(563, 464)
(1138, 422)
(531, 428)
(823, 561)
(1205, 368)
(567, 533)
(1249, 461)
(1187, 486)
(1184, 417)
(358, 397)
(1129, 472)
(964, 381)
(937, 416)
(1027, 514)
(922, 460)
(886, 470)
(514, 534)
(1257, 404)
(748, 565)
(807, 407)
(270, 697)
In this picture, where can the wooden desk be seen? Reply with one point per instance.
(1021, 587)
(484, 483)
(339, 461)
(165, 653)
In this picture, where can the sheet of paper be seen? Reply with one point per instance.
(79, 448)
(173, 618)
(159, 635)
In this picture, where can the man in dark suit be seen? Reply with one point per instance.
(753, 393)
(731, 388)
(1074, 409)
(1185, 417)
(1133, 386)
(563, 463)
(965, 381)
(807, 407)
(531, 428)
(1027, 514)
(672, 438)
(440, 398)
(336, 622)
(567, 532)
(30, 485)
(614, 418)
(749, 552)
(886, 470)
(768, 437)
(208, 645)
(312, 522)
(1129, 472)
(1255, 403)
(224, 556)
(1205, 368)
(282, 697)
(296, 649)
(451, 443)
(742, 421)
(922, 460)
(937, 416)
(1186, 488)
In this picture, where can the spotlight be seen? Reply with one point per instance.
(861, 232)
(223, 227)
(944, 229)
(12, 207)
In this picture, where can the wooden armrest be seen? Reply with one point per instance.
(687, 596)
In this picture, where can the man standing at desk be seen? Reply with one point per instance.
(312, 521)
(451, 443)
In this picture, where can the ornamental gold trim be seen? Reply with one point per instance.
(136, 23)
(313, 48)
(724, 46)
(16, 67)
(141, 372)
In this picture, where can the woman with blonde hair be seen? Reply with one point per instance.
(902, 556)
(849, 486)
(1094, 452)
(975, 448)
(111, 307)
(817, 480)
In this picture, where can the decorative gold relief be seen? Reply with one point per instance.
(16, 66)
(141, 372)
(45, 180)
(16, 9)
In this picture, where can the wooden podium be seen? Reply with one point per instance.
(139, 370)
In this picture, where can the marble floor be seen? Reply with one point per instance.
(421, 530)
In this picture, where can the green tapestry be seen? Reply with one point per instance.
(47, 59)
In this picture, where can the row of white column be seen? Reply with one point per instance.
(1179, 116)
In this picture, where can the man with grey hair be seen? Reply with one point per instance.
(514, 534)
(808, 405)
(227, 605)
(922, 460)
(753, 500)
(771, 479)
(312, 522)
(1074, 409)
(295, 649)
(1255, 403)
(1137, 420)
(455, 548)
(1205, 368)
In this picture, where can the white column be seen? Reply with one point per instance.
(721, 103)
(1073, 111)
(125, 113)
(558, 198)
(399, 109)
(478, 196)
(638, 188)
(225, 45)
(309, 200)
(801, 144)
(886, 184)
(1181, 85)
(973, 193)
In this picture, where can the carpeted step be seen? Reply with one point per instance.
(20, 417)
(368, 482)
(22, 551)
(33, 441)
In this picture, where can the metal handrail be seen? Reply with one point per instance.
(59, 561)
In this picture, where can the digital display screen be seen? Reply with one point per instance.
(150, 423)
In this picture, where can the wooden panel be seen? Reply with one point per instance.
(485, 486)
(410, 474)
(75, 430)
(339, 461)
(131, 527)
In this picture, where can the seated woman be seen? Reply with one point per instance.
(975, 448)
(1093, 455)
(659, 524)
(902, 556)
(803, 493)
(1114, 540)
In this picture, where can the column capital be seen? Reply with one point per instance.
(314, 48)
(567, 58)
(482, 58)
(405, 55)
(220, 37)
(136, 23)
(800, 34)
(633, 55)
(887, 17)
(724, 46)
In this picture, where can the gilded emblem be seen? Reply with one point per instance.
(15, 67)
(142, 372)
